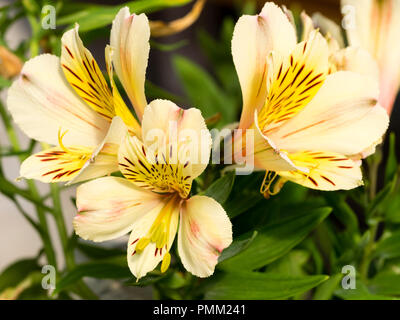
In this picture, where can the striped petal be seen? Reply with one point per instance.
(147, 230)
(204, 231)
(253, 39)
(84, 75)
(55, 164)
(328, 171)
(130, 36)
(109, 207)
(120, 107)
(343, 117)
(43, 96)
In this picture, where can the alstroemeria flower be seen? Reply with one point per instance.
(376, 28)
(154, 196)
(307, 122)
(67, 102)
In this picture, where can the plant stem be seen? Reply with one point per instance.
(34, 194)
(373, 178)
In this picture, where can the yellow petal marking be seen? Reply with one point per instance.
(294, 82)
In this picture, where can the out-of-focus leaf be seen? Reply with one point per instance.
(97, 252)
(389, 248)
(290, 264)
(115, 268)
(275, 240)
(155, 92)
(202, 90)
(391, 162)
(342, 210)
(237, 246)
(382, 198)
(4, 83)
(150, 278)
(17, 272)
(325, 290)
(97, 17)
(385, 284)
(168, 46)
(255, 285)
(221, 188)
(360, 293)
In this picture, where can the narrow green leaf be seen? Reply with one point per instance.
(97, 17)
(97, 252)
(237, 246)
(17, 272)
(255, 285)
(360, 293)
(385, 284)
(391, 162)
(202, 90)
(389, 248)
(275, 240)
(325, 290)
(221, 188)
(111, 269)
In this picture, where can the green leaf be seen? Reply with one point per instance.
(382, 198)
(202, 91)
(221, 188)
(255, 285)
(100, 16)
(155, 92)
(391, 163)
(108, 269)
(325, 290)
(389, 248)
(237, 246)
(360, 293)
(385, 284)
(4, 83)
(17, 272)
(168, 46)
(97, 252)
(290, 264)
(275, 240)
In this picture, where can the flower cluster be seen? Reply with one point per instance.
(314, 107)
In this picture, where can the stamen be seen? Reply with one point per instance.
(165, 262)
(142, 244)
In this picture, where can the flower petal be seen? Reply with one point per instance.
(84, 75)
(43, 96)
(327, 171)
(204, 231)
(253, 39)
(343, 117)
(120, 107)
(181, 134)
(104, 159)
(140, 263)
(55, 164)
(130, 36)
(109, 207)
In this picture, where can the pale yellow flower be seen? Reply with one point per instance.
(67, 102)
(376, 28)
(154, 196)
(309, 122)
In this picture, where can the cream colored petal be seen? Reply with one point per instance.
(140, 263)
(327, 171)
(42, 102)
(109, 207)
(130, 36)
(328, 27)
(204, 231)
(343, 117)
(104, 159)
(84, 75)
(55, 164)
(357, 60)
(182, 135)
(253, 39)
(120, 107)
